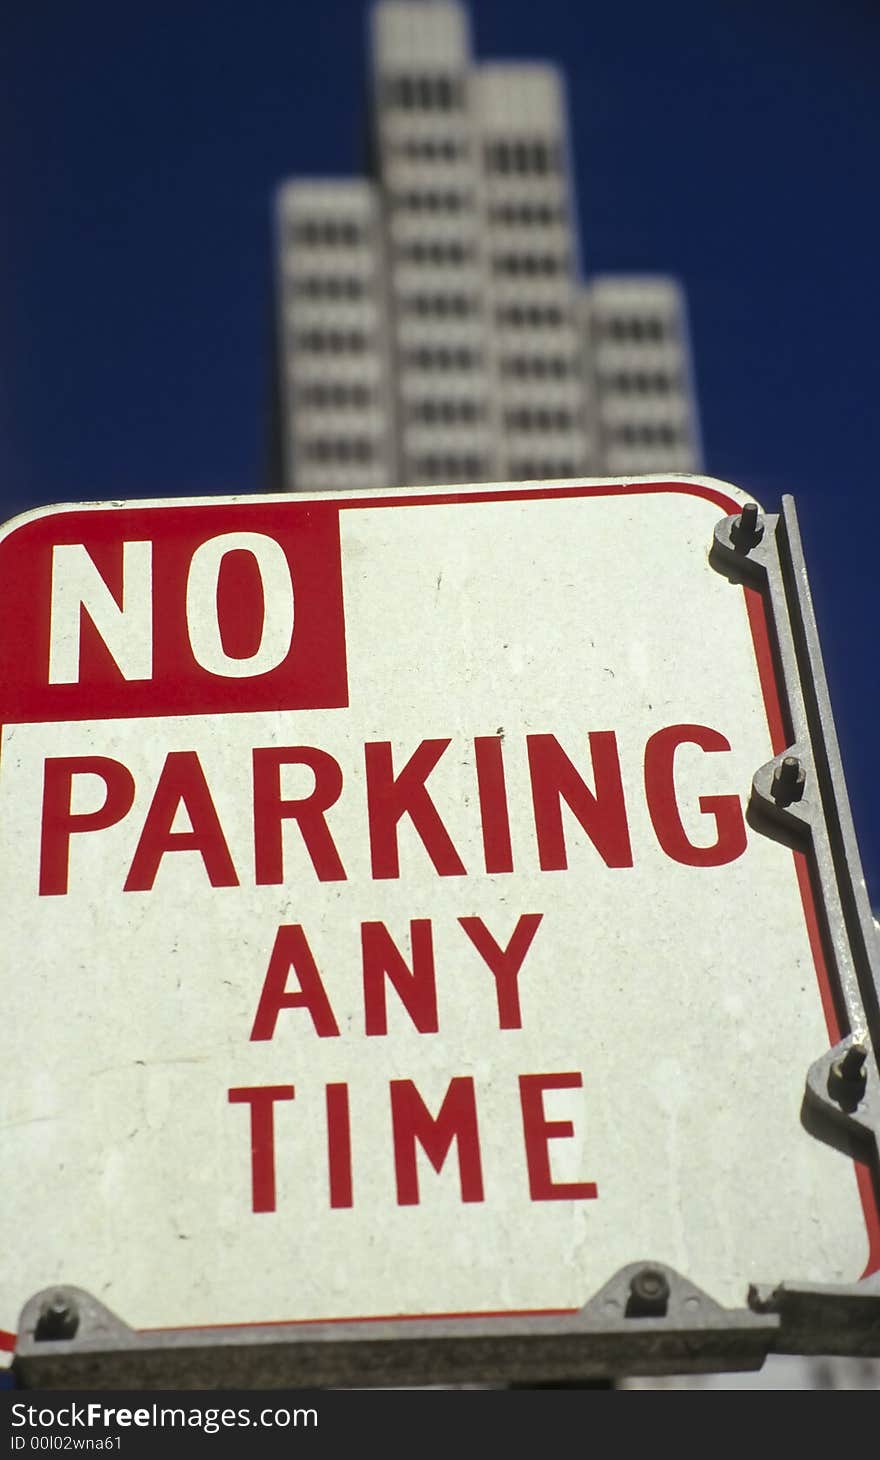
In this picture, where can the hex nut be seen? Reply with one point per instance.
(59, 1318)
(648, 1293)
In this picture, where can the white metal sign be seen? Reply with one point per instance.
(385, 934)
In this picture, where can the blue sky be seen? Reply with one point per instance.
(733, 144)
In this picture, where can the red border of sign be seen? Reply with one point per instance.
(770, 688)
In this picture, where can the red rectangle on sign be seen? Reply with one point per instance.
(208, 608)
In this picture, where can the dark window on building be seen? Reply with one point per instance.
(635, 328)
(423, 93)
(532, 316)
(334, 395)
(329, 286)
(538, 418)
(526, 469)
(446, 412)
(332, 341)
(328, 232)
(433, 149)
(449, 468)
(443, 251)
(642, 382)
(397, 91)
(537, 367)
(345, 450)
(529, 265)
(647, 434)
(441, 306)
(533, 158)
(443, 357)
(431, 202)
(527, 213)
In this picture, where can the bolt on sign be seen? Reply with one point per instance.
(435, 946)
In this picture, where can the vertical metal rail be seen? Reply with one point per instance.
(802, 795)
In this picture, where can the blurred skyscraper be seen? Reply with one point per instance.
(433, 323)
(435, 326)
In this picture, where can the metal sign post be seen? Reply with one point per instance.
(437, 949)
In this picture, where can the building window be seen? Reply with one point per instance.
(334, 395)
(441, 92)
(423, 93)
(327, 232)
(527, 213)
(642, 382)
(345, 450)
(647, 434)
(540, 418)
(445, 412)
(529, 265)
(329, 286)
(635, 329)
(433, 149)
(528, 469)
(441, 306)
(440, 357)
(443, 251)
(332, 341)
(526, 159)
(529, 315)
(431, 202)
(448, 468)
(537, 367)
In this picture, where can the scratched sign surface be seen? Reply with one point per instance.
(383, 930)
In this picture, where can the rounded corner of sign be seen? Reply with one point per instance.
(724, 491)
(726, 495)
(13, 526)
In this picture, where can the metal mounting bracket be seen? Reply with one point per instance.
(820, 1318)
(802, 791)
(647, 1319)
(801, 796)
